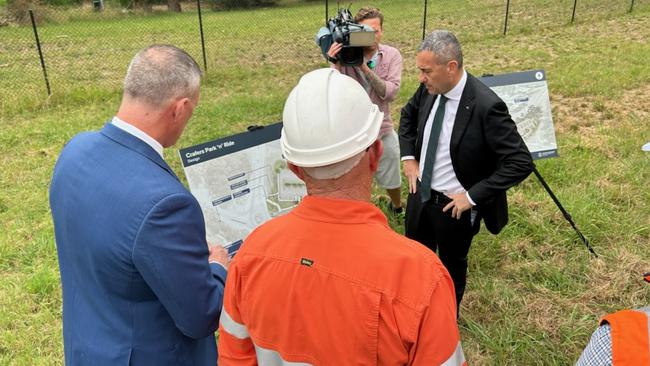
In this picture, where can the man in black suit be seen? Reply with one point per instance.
(461, 151)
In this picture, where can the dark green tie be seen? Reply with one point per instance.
(430, 158)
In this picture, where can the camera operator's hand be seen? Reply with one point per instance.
(334, 50)
(364, 68)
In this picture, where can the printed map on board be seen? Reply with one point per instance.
(526, 95)
(240, 182)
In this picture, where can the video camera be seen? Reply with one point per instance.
(352, 36)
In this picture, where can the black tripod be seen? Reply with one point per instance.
(564, 212)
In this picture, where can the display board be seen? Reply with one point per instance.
(240, 181)
(526, 95)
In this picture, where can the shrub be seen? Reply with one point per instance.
(18, 11)
(146, 5)
(238, 4)
(5, 19)
(62, 2)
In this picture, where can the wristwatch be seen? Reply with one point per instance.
(332, 59)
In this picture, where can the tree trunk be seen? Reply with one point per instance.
(145, 5)
(174, 5)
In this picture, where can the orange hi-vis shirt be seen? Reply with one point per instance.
(630, 330)
(331, 284)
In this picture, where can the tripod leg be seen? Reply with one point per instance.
(564, 212)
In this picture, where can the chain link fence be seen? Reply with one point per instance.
(85, 48)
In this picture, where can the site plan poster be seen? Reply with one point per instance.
(526, 95)
(241, 181)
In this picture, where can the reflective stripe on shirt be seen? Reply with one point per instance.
(646, 310)
(267, 357)
(457, 358)
(232, 327)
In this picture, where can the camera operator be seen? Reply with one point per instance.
(380, 75)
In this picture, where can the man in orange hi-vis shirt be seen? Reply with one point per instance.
(330, 283)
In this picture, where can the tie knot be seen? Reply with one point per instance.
(443, 99)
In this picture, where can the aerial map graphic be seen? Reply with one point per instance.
(526, 95)
(241, 181)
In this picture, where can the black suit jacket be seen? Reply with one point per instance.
(487, 153)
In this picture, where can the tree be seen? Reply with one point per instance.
(174, 5)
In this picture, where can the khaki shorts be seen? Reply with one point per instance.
(388, 175)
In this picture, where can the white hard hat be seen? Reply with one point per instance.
(328, 117)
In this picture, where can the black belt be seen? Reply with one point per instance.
(438, 198)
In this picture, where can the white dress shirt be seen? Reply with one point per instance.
(444, 178)
(129, 128)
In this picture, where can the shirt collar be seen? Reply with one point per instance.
(339, 211)
(457, 91)
(380, 49)
(131, 129)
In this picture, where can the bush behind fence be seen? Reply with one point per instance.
(88, 49)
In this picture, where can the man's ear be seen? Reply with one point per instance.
(375, 152)
(180, 107)
(452, 66)
(297, 171)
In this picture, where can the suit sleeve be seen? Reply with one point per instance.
(514, 162)
(408, 124)
(235, 344)
(171, 254)
(438, 341)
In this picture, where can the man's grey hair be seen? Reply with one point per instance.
(160, 73)
(444, 45)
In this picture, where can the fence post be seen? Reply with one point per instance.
(505, 23)
(632, 6)
(327, 10)
(205, 62)
(424, 21)
(40, 52)
(573, 16)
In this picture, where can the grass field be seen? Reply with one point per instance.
(534, 293)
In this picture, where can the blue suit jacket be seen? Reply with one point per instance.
(137, 286)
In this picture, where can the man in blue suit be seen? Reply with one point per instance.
(140, 285)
